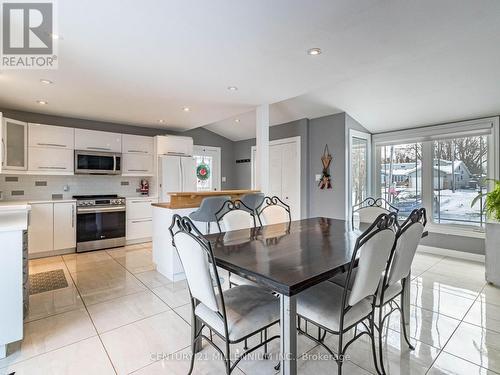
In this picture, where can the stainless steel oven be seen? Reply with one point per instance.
(93, 162)
(100, 222)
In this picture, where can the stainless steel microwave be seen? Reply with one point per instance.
(90, 162)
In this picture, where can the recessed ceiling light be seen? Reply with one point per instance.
(232, 88)
(161, 121)
(42, 102)
(46, 81)
(186, 109)
(314, 51)
(237, 120)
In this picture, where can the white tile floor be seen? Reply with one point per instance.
(119, 316)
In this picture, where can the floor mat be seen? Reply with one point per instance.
(47, 281)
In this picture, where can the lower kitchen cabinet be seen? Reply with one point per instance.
(41, 228)
(51, 227)
(139, 219)
(64, 225)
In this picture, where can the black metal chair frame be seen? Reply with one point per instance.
(417, 216)
(373, 202)
(269, 202)
(383, 222)
(185, 225)
(231, 205)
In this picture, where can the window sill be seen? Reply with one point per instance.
(456, 230)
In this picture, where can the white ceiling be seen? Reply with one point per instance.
(389, 64)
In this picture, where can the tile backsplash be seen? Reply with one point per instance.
(27, 187)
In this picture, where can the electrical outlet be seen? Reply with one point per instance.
(66, 188)
(223, 178)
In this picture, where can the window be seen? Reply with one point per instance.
(460, 166)
(401, 176)
(359, 171)
(441, 168)
(203, 173)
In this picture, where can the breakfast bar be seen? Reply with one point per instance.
(181, 203)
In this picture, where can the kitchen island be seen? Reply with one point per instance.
(13, 271)
(181, 203)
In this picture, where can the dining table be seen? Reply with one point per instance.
(287, 259)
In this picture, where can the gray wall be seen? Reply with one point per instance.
(329, 130)
(200, 136)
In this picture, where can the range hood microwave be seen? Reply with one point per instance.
(91, 162)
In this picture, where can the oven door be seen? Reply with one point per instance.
(97, 162)
(99, 228)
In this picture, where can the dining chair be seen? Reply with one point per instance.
(208, 207)
(234, 215)
(398, 269)
(369, 209)
(336, 309)
(253, 201)
(274, 211)
(233, 315)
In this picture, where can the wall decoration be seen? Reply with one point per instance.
(325, 181)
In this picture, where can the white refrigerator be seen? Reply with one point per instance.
(176, 174)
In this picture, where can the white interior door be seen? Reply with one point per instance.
(211, 158)
(284, 172)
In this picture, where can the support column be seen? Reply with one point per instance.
(262, 157)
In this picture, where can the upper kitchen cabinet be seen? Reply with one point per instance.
(48, 136)
(14, 153)
(137, 144)
(97, 141)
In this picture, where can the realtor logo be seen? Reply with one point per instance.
(27, 35)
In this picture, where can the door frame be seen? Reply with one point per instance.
(219, 163)
(368, 137)
(295, 140)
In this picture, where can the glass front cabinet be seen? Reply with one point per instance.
(14, 144)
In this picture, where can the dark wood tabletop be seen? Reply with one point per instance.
(287, 258)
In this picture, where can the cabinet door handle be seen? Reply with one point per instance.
(141, 221)
(99, 148)
(137, 152)
(51, 144)
(72, 215)
(137, 170)
(58, 168)
(144, 201)
(4, 151)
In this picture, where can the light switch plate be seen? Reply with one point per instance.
(223, 178)
(318, 177)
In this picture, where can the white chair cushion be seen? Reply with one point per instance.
(248, 308)
(322, 304)
(389, 293)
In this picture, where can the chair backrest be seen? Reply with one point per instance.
(369, 209)
(274, 211)
(374, 246)
(208, 207)
(253, 201)
(197, 259)
(407, 240)
(232, 215)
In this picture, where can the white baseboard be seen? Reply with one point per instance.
(52, 253)
(450, 253)
(138, 240)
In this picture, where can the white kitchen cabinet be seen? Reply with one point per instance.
(14, 143)
(48, 136)
(64, 225)
(137, 165)
(93, 140)
(50, 161)
(139, 218)
(41, 228)
(137, 144)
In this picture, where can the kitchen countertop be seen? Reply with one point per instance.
(14, 217)
(34, 201)
(192, 199)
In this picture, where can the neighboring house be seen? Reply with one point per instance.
(407, 175)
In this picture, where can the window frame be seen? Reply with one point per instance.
(426, 136)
